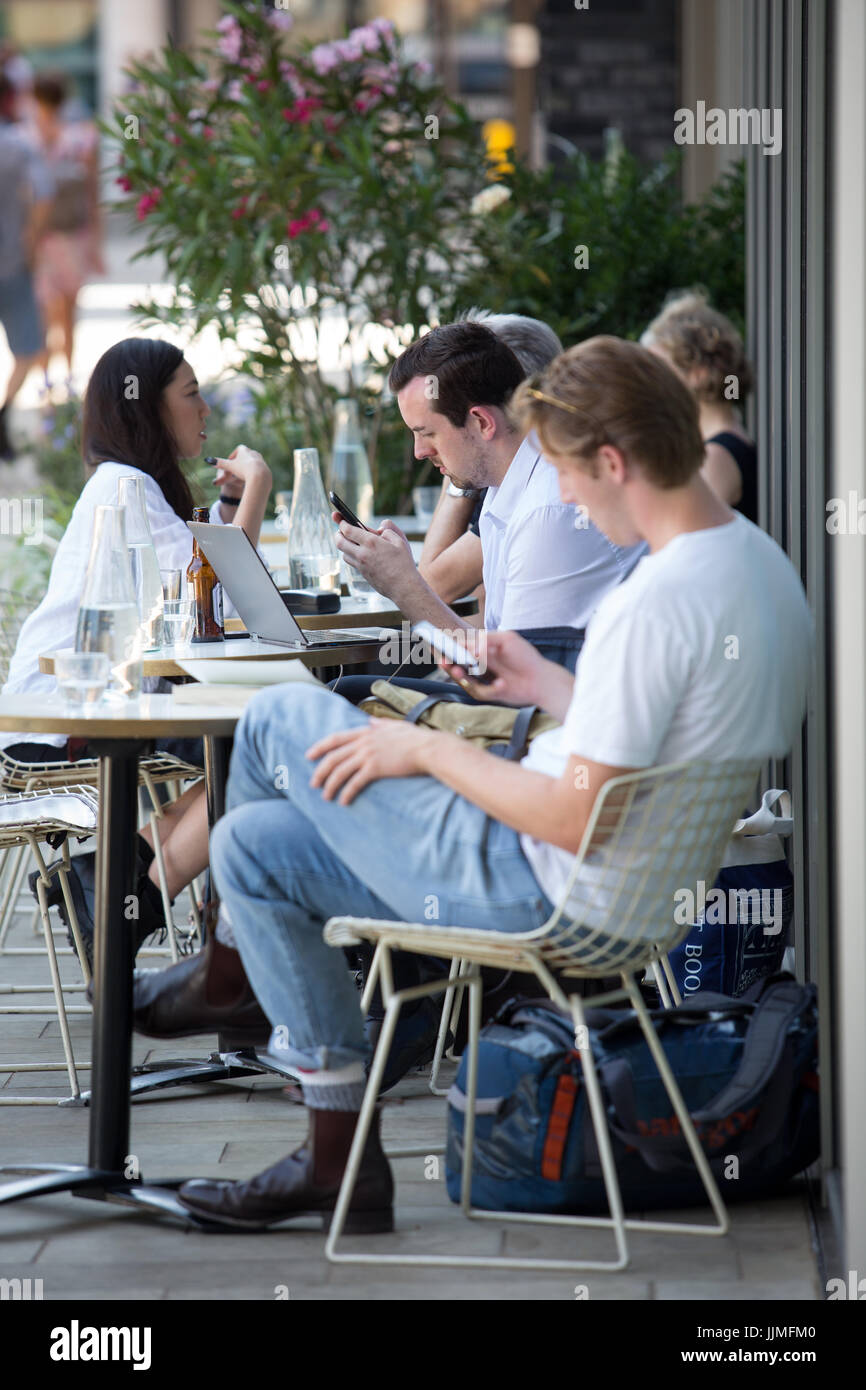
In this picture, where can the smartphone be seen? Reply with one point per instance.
(345, 511)
(453, 651)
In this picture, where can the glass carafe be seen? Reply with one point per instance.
(143, 560)
(350, 475)
(314, 561)
(108, 619)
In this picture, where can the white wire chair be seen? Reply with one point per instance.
(27, 821)
(153, 770)
(650, 834)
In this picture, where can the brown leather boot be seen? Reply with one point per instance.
(179, 1002)
(305, 1183)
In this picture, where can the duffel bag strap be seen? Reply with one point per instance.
(447, 697)
(765, 1070)
(519, 740)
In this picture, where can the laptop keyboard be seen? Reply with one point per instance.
(326, 639)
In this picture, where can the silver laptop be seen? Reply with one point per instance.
(248, 583)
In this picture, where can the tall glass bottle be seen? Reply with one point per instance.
(205, 591)
(108, 619)
(143, 559)
(314, 561)
(350, 475)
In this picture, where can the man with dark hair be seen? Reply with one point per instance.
(545, 566)
(24, 206)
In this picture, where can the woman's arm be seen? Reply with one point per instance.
(246, 476)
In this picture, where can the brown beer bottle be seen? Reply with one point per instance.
(205, 590)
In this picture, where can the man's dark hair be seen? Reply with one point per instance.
(121, 428)
(51, 89)
(469, 364)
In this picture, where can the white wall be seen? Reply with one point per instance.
(848, 559)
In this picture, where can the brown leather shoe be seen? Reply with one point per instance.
(174, 1003)
(305, 1183)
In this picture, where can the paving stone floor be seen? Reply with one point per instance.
(89, 1250)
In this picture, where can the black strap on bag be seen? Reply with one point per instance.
(765, 1073)
(519, 740)
(429, 701)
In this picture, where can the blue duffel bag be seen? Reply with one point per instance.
(747, 1069)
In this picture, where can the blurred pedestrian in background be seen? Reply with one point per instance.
(69, 249)
(27, 190)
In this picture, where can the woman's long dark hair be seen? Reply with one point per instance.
(123, 421)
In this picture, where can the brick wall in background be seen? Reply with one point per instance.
(614, 64)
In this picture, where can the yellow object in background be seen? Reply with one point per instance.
(499, 137)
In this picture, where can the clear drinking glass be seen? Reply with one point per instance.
(81, 676)
(176, 621)
(424, 501)
(171, 582)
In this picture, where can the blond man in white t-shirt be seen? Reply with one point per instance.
(382, 818)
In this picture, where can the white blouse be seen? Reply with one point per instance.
(53, 624)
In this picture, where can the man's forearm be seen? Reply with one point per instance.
(417, 601)
(450, 520)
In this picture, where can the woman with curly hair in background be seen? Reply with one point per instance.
(706, 351)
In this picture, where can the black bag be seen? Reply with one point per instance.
(746, 1068)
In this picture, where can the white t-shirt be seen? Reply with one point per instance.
(703, 652)
(541, 569)
(52, 625)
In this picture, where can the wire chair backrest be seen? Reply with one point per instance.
(652, 836)
(14, 609)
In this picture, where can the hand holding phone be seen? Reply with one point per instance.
(453, 651)
(346, 511)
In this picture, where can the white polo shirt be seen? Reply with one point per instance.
(543, 565)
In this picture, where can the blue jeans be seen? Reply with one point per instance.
(284, 861)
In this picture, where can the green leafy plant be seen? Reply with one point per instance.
(319, 205)
(297, 200)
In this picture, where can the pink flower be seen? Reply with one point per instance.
(208, 132)
(311, 219)
(302, 111)
(331, 123)
(278, 19)
(212, 84)
(385, 29)
(241, 208)
(124, 183)
(147, 202)
(264, 85)
(324, 58)
(230, 45)
(235, 90)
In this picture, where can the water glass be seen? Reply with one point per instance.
(171, 582)
(177, 621)
(424, 501)
(81, 676)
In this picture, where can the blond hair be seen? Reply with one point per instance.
(698, 338)
(609, 391)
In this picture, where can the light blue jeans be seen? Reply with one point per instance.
(285, 860)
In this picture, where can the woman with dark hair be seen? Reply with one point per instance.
(143, 413)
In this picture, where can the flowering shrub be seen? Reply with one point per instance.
(299, 196)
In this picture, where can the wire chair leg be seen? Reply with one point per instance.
(41, 884)
(600, 1126)
(13, 889)
(686, 1125)
(163, 888)
(661, 984)
(446, 1020)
